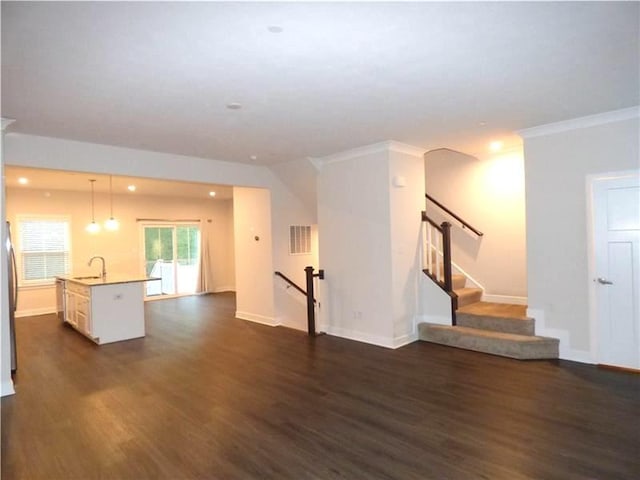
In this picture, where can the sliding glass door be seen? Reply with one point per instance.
(171, 253)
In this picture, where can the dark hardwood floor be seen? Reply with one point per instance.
(206, 396)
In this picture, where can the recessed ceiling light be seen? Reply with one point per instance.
(23, 180)
(482, 124)
(275, 28)
(253, 157)
(131, 188)
(212, 193)
(234, 106)
(495, 146)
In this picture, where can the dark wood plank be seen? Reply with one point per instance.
(205, 395)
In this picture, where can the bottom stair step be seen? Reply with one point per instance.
(521, 347)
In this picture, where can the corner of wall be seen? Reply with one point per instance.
(6, 388)
(566, 352)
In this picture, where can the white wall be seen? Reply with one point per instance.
(369, 291)
(121, 249)
(406, 192)
(557, 160)
(489, 194)
(300, 177)
(254, 260)
(60, 154)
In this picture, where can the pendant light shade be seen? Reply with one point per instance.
(111, 224)
(93, 227)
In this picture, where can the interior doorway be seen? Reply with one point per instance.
(615, 269)
(171, 253)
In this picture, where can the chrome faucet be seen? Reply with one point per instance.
(104, 271)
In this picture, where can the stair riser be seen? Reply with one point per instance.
(497, 324)
(468, 299)
(536, 349)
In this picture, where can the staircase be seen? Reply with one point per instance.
(494, 328)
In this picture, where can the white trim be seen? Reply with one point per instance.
(224, 288)
(316, 162)
(389, 145)
(403, 340)
(566, 352)
(37, 286)
(581, 122)
(437, 319)
(32, 312)
(6, 388)
(386, 342)
(5, 122)
(504, 299)
(283, 322)
(349, 334)
(256, 318)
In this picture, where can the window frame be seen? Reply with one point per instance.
(20, 253)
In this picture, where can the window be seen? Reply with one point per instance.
(44, 248)
(299, 240)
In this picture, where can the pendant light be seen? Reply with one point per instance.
(93, 227)
(111, 224)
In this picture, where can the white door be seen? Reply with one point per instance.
(616, 220)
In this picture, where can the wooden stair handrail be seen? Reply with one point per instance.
(463, 222)
(292, 283)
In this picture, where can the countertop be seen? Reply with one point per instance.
(108, 280)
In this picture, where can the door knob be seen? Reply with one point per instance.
(604, 281)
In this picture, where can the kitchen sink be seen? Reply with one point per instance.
(88, 277)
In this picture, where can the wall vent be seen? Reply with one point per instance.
(299, 240)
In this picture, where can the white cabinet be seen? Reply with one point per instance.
(106, 312)
(78, 307)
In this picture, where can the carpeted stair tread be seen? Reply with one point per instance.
(522, 347)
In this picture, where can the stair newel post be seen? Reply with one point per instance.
(448, 276)
(311, 311)
(446, 254)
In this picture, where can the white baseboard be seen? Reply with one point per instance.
(566, 352)
(6, 388)
(437, 319)
(254, 317)
(224, 288)
(504, 299)
(32, 312)
(405, 340)
(378, 340)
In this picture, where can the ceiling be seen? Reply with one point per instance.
(49, 180)
(160, 75)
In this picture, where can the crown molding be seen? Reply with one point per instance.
(386, 146)
(581, 122)
(5, 122)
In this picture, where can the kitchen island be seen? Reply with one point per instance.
(105, 309)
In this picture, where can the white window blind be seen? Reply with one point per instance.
(299, 239)
(44, 248)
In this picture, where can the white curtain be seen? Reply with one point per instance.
(205, 272)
